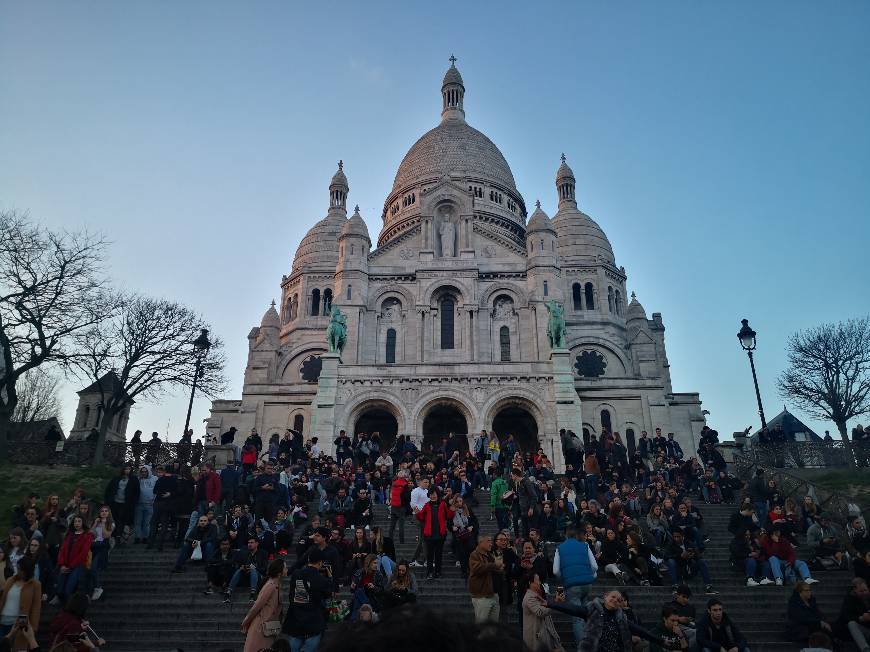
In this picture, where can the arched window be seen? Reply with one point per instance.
(391, 345)
(605, 421)
(86, 415)
(546, 289)
(298, 423)
(504, 340)
(349, 293)
(542, 245)
(315, 302)
(447, 308)
(618, 302)
(590, 297)
(610, 299)
(327, 302)
(577, 295)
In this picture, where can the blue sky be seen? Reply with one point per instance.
(723, 147)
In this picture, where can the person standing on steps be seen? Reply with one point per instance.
(497, 501)
(482, 569)
(266, 609)
(434, 517)
(575, 564)
(397, 504)
(305, 621)
(419, 498)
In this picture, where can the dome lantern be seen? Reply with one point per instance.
(565, 185)
(452, 94)
(338, 190)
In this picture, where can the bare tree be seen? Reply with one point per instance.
(829, 373)
(37, 396)
(52, 286)
(149, 347)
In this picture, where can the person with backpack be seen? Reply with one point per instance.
(305, 621)
(575, 564)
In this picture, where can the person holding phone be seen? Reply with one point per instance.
(21, 598)
(69, 626)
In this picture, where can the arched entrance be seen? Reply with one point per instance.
(442, 419)
(519, 422)
(378, 420)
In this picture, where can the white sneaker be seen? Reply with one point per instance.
(751, 582)
(96, 594)
(810, 580)
(778, 581)
(55, 601)
(416, 564)
(765, 581)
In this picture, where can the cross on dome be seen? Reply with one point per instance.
(537, 203)
(341, 163)
(563, 157)
(452, 61)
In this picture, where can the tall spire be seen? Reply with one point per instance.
(338, 190)
(565, 185)
(452, 93)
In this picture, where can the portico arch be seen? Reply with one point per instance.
(379, 411)
(520, 416)
(442, 415)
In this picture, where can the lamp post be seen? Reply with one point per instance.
(201, 346)
(747, 340)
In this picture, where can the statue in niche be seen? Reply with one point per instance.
(504, 308)
(447, 231)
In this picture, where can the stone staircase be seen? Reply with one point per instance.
(145, 608)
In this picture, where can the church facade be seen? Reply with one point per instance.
(447, 318)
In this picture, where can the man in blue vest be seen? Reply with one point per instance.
(575, 564)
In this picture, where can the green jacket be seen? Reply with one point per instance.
(496, 491)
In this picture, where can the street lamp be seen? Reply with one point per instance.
(747, 340)
(201, 345)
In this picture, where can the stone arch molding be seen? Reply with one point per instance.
(465, 291)
(514, 291)
(301, 351)
(391, 292)
(369, 400)
(521, 398)
(422, 408)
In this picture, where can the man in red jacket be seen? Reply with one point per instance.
(208, 489)
(397, 504)
(780, 553)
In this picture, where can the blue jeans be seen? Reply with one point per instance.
(755, 568)
(591, 487)
(237, 576)
(761, 512)
(675, 575)
(577, 595)
(67, 582)
(142, 514)
(187, 550)
(776, 566)
(99, 562)
(307, 644)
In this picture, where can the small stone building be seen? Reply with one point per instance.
(89, 413)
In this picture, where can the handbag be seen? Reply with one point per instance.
(270, 628)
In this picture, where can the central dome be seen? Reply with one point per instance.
(453, 146)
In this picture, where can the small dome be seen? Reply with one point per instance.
(539, 221)
(452, 76)
(319, 247)
(355, 226)
(271, 319)
(339, 179)
(635, 310)
(578, 235)
(564, 172)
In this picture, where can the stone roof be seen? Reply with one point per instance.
(339, 178)
(564, 171)
(453, 146)
(539, 221)
(790, 425)
(320, 244)
(34, 431)
(355, 226)
(452, 76)
(270, 318)
(635, 310)
(110, 384)
(577, 234)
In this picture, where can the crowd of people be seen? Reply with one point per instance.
(283, 508)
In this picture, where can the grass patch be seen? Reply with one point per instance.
(18, 480)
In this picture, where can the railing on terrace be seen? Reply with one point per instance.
(80, 453)
(838, 506)
(807, 455)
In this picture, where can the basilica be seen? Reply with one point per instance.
(447, 317)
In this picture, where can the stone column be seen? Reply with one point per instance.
(323, 407)
(568, 411)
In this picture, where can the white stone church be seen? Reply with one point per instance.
(447, 323)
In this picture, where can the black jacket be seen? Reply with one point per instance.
(306, 615)
(705, 632)
(131, 492)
